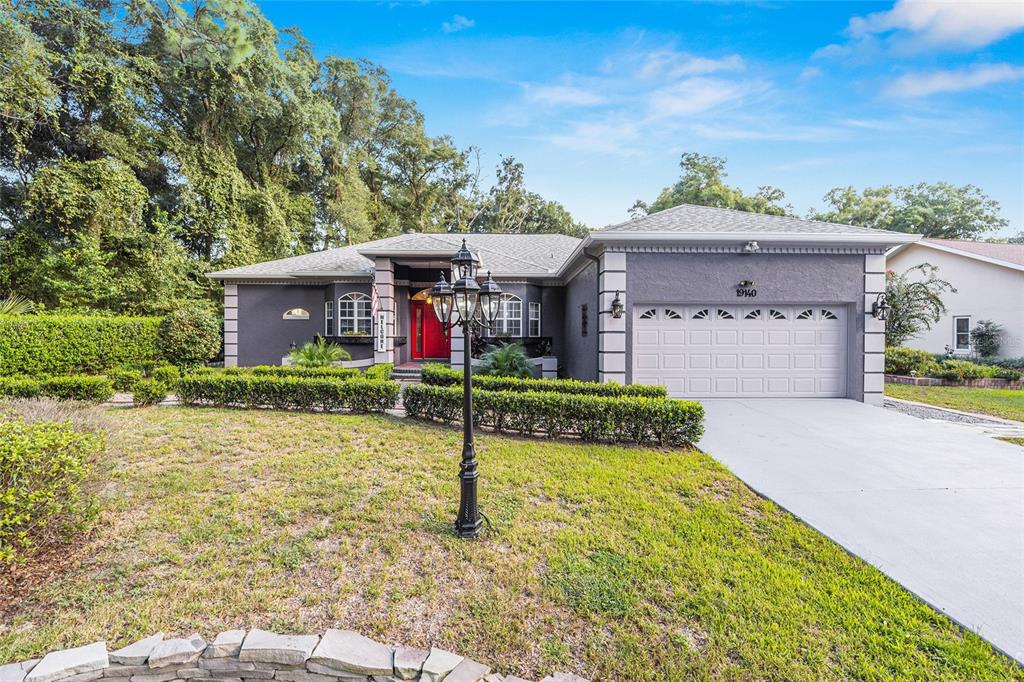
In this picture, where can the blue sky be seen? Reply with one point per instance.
(600, 99)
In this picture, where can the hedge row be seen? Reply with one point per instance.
(283, 371)
(912, 362)
(42, 465)
(71, 387)
(381, 371)
(593, 418)
(301, 393)
(440, 375)
(36, 345)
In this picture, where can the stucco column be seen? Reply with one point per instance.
(874, 330)
(384, 280)
(611, 339)
(230, 325)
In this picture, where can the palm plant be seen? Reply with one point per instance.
(509, 360)
(318, 353)
(14, 304)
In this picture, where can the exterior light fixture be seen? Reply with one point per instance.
(751, 247)
(617, 306)
(880, 308)
(746, 284)
(467, 297)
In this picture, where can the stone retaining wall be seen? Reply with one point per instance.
(988, 382)
(257, 656)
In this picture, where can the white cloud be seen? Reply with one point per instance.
(810, 73)
(669, 63)
(933, 82)
(563, 95)
(693, 96)
(458, 23)
(609, 136)
(960, 24)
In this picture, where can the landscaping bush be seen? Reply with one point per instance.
(961, 370)
(986, 337)
(189, 336)
(167, 375)
(42, 465)
(1007, 373)
(123, 379)
(283, 371)
(593, 418)
(439, 375)
(149, 392)
(509, 360)
(71, 387)
(38, 345)
(318, 354)
(907, 361)
(293, 392)
(382, 371)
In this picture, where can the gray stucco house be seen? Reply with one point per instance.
(717, 303)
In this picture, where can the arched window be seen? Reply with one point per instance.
(354, 316)
(509, 321)
(296, 314)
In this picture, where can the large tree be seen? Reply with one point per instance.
(510, 207)
(915, 300)
(702, 182)
(939, 210)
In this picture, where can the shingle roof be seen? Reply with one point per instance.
(688, 218)
(503, 254)
(1011, 253)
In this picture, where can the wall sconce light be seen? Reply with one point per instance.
(617, 306)
(746, 284)
(880, 308)
(751, 247)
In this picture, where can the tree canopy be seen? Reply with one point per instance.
(143, 142)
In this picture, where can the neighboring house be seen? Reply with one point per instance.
(989, 282)
(717, 302)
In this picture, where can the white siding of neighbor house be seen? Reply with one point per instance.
(984, 292)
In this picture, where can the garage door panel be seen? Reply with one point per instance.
(742, 351)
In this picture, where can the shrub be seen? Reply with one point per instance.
(318, 353)
(439, 375)
(123, 379)
(907, 361)
(382, 371)
(302, 393)
(42, 465)
(1007, 373)
(189, 336)
(960, 370)
(592, 418)
(986, 337)
(166, 374)
(37, 345)
(149, 392)
(283, 371)
(509, 360)
(72, 387)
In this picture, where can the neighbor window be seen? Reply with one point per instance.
(534, 318)
(354, 314)
(509, 321)
(962, 333)
(328, 318)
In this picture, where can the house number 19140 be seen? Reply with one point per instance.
(746, 293)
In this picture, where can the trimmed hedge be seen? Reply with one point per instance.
(42, 465)
(166, 374)
(593, 418)
(382, 371)
(299, 393)
(439, 375)
(284, 371)
(72, 387)
(36, 345)
(148, 392)
(907, 361)
(124, 379)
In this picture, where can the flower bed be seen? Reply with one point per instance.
(440, 375)
(290, 392)
(592, 418)
(918, 367)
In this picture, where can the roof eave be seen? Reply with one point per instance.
(286, 275)
(764, 237)
(960, 252)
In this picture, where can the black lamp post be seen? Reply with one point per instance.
(465, 296)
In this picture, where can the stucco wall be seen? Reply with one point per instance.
(984, 291)
(579, 357)
(780, 278)
(263, 337)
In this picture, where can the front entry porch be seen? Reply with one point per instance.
(429, 341)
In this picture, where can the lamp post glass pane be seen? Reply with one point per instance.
(465, 302)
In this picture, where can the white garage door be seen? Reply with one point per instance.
(741, 351)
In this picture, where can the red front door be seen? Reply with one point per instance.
(428, 340)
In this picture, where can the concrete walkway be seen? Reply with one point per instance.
(936, 506)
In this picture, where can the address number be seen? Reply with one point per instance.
(746, 293)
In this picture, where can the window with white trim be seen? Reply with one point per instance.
(962, 333)
(354, 314)
(534, 318)
(509, 321)
(328, 318)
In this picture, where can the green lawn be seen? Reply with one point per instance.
(614, 562)
(998, 402)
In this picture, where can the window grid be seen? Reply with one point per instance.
(510, 316)
(328, 318)
(534, 318)
(354, 314)
(962, 333)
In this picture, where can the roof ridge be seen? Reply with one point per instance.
(467, 235)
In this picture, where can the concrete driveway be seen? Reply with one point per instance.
(937, 507)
